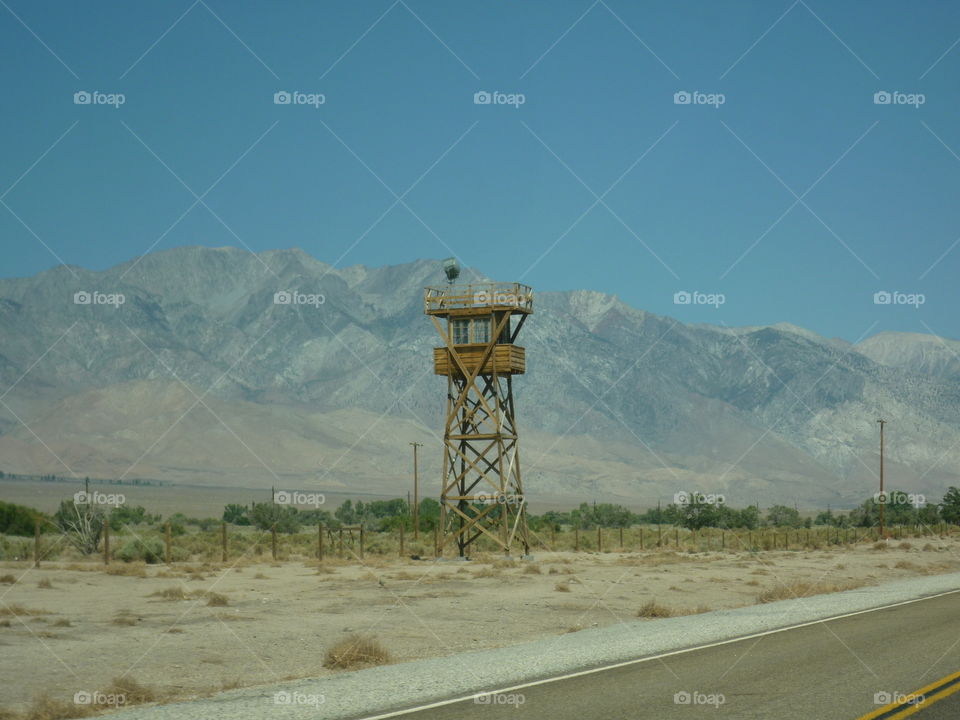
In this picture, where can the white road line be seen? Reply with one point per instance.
(627, 663)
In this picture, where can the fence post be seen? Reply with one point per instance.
(599, 540)
(659, 535)
(273, 541)
(676, 536)
(223, 542)
(723, 539)
(320, 542)
(36, 542)
(641, 538)
(340, 544)
(361, 541)
(621, 538)
(166, 542)
(401, 539)
(576, 539)
(106, 541)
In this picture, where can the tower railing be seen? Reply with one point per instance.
(442, 299)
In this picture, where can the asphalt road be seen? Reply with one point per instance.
(844, 668)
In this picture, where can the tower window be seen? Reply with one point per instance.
(467, 330)
(461, 332)
(481, 330)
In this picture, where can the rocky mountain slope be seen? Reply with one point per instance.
(200, 376)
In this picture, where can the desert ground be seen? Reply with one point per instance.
(171, 632)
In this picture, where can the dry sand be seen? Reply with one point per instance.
(89, 627)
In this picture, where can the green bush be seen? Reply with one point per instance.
(147, 550)
(18, 519)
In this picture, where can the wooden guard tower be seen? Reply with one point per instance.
(482, 493)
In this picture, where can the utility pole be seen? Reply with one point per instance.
(416, 493)
(883, 499)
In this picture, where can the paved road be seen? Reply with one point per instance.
(842, 668)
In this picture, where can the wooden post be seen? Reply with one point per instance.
(659, 535)
(273, 541)
(401, 540)
(599, 540)
(106, 541)
(621, 539)
(36, 542)
(223, 542)
(641, 538)
(340, 545)
(576, 539)
(166, 542)
(361, 541)
(723, 539)
(676, 536)
(320, 542)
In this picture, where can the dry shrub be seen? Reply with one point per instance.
(356, 651)
(653, 610)
(217, 600)
(753, 582)
(128, 570)
(504, 563)
(929, 548)
(15, 610)
(125, 620)
(562, 587)
(532, 570)
(803, 589)
(8, 579)
(4, 623)
(487, 572)
(62, 622)
(133, 692)
(904, 546)
(552, 571)
(880, 545)
(44, 707)
(45, 584)
(906, 565)
(260, 576)
(174, 592)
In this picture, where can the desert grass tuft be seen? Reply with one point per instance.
(652, 610)
(356, 651)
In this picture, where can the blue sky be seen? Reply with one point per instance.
(598, 180)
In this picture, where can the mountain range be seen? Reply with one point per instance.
(223, 367)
